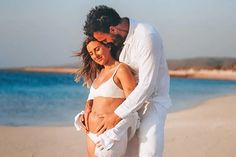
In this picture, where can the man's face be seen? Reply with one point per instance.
(106, 38)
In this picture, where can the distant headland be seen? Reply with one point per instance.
(202, 68)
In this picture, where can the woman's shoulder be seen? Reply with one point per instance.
(124, 68)
(126, 74)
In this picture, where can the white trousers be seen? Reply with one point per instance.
(149, 138)
(118, 148)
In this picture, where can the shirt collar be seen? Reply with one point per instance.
(132, 26)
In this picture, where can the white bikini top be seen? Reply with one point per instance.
(107, 89)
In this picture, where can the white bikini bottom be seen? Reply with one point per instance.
(114, 141)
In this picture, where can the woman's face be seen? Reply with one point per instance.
(99, 52)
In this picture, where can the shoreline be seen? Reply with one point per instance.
(205, 130)
(213, 74)
(44, 70)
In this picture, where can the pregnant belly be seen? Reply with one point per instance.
(100, 107)
(93, 122)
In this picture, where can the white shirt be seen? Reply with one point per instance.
(143, 52)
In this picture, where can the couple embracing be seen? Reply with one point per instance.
(126, 69)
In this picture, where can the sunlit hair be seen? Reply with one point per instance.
(99, 19)
(89, 68)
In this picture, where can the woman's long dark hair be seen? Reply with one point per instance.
(90, 69)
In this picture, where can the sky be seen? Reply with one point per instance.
(49, 32)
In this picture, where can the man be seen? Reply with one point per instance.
(142, 51)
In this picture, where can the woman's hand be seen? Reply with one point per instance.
(82, 123)
(86, 117)
(88, 109)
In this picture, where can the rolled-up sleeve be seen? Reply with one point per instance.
(150, 51)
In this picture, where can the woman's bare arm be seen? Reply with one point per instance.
(126, 79)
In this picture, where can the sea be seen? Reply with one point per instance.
(33, 99)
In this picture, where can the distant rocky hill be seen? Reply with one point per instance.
(203, 63)
(173, 64)
(200, 68)
(194, 63)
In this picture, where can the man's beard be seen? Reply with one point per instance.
(118, 41)
(116, 46)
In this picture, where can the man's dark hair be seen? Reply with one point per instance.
(100, 19)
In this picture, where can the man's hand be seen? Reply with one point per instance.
(109, 121)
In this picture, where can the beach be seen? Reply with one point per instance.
(207, 130)
(213, 74)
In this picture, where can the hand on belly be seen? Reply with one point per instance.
(101, 106)
(94, 120)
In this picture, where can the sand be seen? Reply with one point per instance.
(41, 142)
(213, 74)
(208, 130)
(51, 69)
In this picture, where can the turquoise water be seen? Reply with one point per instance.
(54, 99)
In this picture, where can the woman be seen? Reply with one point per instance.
(111, 82)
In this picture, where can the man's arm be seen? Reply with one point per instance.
(149, 59)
